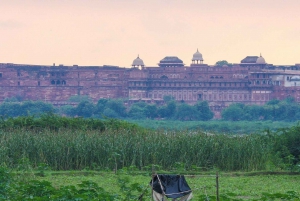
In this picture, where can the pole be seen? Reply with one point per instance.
(217, 186)
(152, 182)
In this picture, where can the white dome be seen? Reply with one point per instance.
(260, 60)
(138, 62)
(197, 56)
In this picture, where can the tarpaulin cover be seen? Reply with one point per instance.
(175, 185)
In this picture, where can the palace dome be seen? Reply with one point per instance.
(138, 62)
(197, 56)
(260, 60)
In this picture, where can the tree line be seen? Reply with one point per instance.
(111, 108)
(274, 110)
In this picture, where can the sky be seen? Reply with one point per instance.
(114, 32)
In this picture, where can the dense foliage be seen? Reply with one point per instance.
(112, 108)
(275, 110)
(117, 144)
(15, 189)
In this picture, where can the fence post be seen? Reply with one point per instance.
(217, 186)
(152, 175)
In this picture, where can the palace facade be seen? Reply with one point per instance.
(252, 81)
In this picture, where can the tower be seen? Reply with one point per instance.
(138, 63)
(197, 58)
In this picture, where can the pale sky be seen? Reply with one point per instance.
(114, 32)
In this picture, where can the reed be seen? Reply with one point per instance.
(75, 149)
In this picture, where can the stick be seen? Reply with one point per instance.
(217, 186)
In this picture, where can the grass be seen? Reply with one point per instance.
(215, 126)
(234, 187)
(77, 150)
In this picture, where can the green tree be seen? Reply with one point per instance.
(233, 113)
(85, 109)
(151, 111)
(137, 112)
(222, 63)
(204, 111)
(101, 104)
(186, 112)
(168, 98)
(167, 111)
(117, 106)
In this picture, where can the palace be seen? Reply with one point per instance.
(252, 81)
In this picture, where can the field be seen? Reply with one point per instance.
(233, 186)
(79, 159)
(216, 126)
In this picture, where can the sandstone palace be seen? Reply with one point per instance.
(253, 81)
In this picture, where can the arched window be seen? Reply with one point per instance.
(63, 82)
(164, 77)
(57, 82)
(52, 82)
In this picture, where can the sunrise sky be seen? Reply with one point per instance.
(113, 32)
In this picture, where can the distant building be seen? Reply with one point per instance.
(253, 81)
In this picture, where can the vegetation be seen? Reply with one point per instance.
(132, 184)
(111, 151)
(75, 144)
(274, 110)
(287, 110)
(112, 108)
(215, 126)
(223, 62)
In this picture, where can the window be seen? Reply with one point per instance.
(39, 84)
(53, 82)
(0, 74)
(18, 83)
(57, 82)
(64, 82)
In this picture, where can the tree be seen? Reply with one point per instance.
(151, 111)
(222, 63)
(117, 106)
(204, 111)
(233, 113)
(253, 112)
(168, 98)
(14, 109)
(186, 112)
(136, 112)
(101, 104)
(85, 109)
(167, 111)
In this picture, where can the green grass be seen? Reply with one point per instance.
(233, 187)
(216, 126)
(77, 150)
